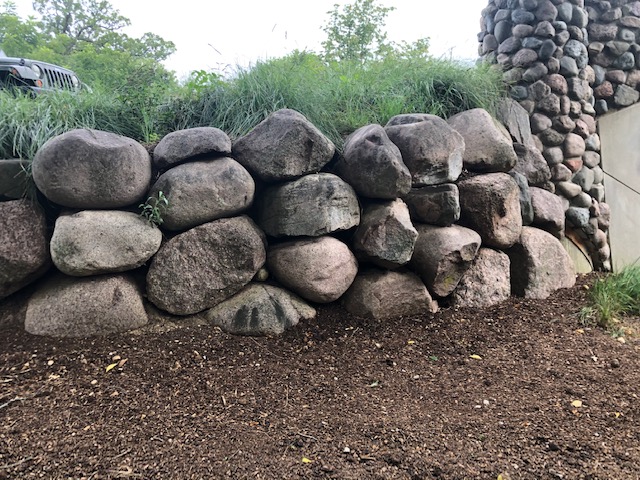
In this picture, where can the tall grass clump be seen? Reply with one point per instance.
(337, 97)
(613, 296)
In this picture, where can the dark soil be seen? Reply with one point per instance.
(463, 394)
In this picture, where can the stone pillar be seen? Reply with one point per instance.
(542, 48)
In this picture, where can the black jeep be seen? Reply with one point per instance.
(34, 77)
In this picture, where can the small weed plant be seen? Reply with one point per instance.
(612, 297)
(154, 208)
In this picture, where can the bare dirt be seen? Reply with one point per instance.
(522, 390)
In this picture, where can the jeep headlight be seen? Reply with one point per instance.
(75, 81)
(36, 69)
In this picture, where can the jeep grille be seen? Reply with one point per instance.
(57, 79)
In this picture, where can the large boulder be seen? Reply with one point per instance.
(183, 145)
(442, 255)
(260, 309)
(539, 265)
(284, 146)
(14, 180)
(203, 191)
(372, 164)
(490, 204)
(318, 269)
(430, 148)
(516, 120)
(435, 205)
(386, 236)
(486, 283)
(80, 307)
(309, 206)
(548, 211)
(384, 294)
(488, 146)
(92, 169)
(24, 246)
(532, 164)
(204, 266)
(102, 241)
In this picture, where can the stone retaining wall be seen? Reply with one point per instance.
(565, 62)
(417, 214)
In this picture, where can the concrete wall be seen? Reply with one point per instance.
(620, 149)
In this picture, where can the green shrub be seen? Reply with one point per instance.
(613, 296)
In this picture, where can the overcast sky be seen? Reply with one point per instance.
(209, 35)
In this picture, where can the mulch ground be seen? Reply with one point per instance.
(522, 390)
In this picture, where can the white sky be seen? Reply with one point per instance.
(209, 35)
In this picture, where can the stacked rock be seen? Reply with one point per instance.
(419, 212)
(541, 46)
(614, 52)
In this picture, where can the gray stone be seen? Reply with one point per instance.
(531, 164)
(580, 17)
(204, 266)
(535, 72)
(627, 35)
(550, 104)
(569, 67)
(490, 204)
(524, 57)
(564, 124)
(617, 48)
(102, 241)
(561, 173)
(260, 310)
(432, 150)
(568, 189)
(592, 142)
(202, 191)
(574, 145)
(539, 123)
(526, 208)
(183, 145)
(546, 11)
(488, 147)
(522, 16)
(372, 164)
(384, 295)
(626, 96)
(486, 283)
(436, 205)
(561, 38)
(539, 265)
(548, 211)
(578, 217)
(522, 31)
(578, 89)
(547, 49)
(284, 146)
(80, 307)
(574, 48)
(533, 43)
(92, 169)
(553, 155)
(309, 206)
(583, 200)
(598, 175)
(519, 92)
(553, 64)
(442, 256)
(14, 179)
(584, 177)
(626, 61)
(545, 30)
(557, 83)
(516, 120)
(597, 192)
(386, 236)
(510, 45)
(565, 12)
(318, 269)
(24, 247)
(602, 32)
(551, 138)
(502, 30)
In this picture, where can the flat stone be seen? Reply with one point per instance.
(183, 145)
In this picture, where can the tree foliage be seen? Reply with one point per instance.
(355, 33)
